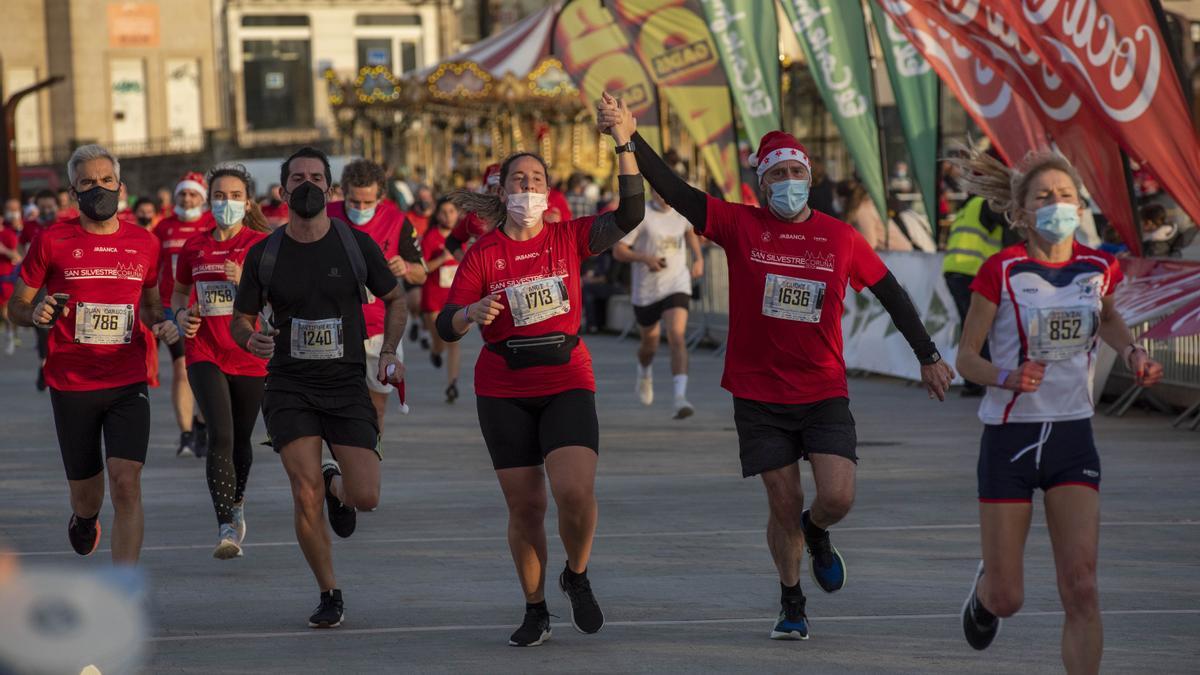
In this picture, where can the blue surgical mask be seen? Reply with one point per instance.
(188, 215)
(228, 213)
(1057, 222)
(360, 216)
(789, 197)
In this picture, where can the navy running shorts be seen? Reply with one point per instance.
(1019, 457)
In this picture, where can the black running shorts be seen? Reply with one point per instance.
(651, 314)
(339, 420)
(1016, 458)
(774, 435)
(121, 415)
(522, 431)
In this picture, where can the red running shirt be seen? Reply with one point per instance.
(98, 341)
(10, 241)
(787, 285)
(174, 233)
(384, 229)
(419, 222)
(528, 269)
(469, 228)
(202, 266)
(437, 285)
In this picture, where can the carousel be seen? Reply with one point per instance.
(505, 94)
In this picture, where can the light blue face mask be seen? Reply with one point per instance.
(789, 197)
(228, 213)
(1057, 222)
(188, 215)
(360, 216)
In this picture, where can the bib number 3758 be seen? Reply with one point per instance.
(793, 299)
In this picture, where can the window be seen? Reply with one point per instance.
(274, 20)
(387, 20)
(408, 57)
(277, 84)
(375, 52)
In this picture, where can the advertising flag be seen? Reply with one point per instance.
(742, 30)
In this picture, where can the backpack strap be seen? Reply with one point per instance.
(357, 262)
(266, 265)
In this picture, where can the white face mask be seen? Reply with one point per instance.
(526, 208)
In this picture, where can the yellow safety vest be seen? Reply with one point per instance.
(970, 243)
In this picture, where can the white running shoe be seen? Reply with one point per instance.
(11, 347)
(228, 546)
(645, 390)
(683, 409)
(239, 519)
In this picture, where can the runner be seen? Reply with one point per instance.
(46, 204)
(146, 213)
(442, 266)
(1042, 305)
(418, 215)
(10, 258)
(470, 226)
(535, 391)
(308, 279)
(226, 381)
(367, 210)
(662, 291)
(99, 275)
(188, 220)
(788, 270)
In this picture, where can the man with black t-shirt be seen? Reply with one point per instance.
(306, 284)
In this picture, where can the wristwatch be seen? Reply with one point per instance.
(626, 147)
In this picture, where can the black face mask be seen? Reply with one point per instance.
(99, 203)
(145, 222)
(307, 200)
(47, 217)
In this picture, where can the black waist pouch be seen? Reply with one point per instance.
(552, 349)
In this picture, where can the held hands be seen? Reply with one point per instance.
(233, 272)
(936, 378)
(391, 370)
(614, 119)
(1146, 371)
(189, 321)
(166, 331)
(485, 311)
(1027, 378)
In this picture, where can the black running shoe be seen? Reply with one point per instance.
(979, 625)
(200, 439)
(413, 331)
(342, 518)
(187, 447)
(330, 612)
(792, 623)
(435, 359)
(41, 379)
(452, 392)
(534, 630)
(825, 563)
(585, 611)
(84, 537)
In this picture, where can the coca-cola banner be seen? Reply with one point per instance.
(1071, 124)
(1111, 54)
(1008, 121)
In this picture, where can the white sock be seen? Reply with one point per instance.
(644, 372)
(680, 386)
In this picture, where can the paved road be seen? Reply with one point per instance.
(680, 565)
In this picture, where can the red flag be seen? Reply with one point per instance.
(1071, 124)
(1112, 55)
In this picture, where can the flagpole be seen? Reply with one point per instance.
(1173, 49)
(880, 136)
(1136, 245)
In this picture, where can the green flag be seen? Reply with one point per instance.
(744, 31)
(916, 87)
(833, 35)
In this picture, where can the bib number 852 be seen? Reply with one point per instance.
(1065, 328)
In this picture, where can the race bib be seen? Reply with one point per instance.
(215, 297)
(318, 340)
(1059, 333)
(667, 247)
(535, 301)
(99, 324)
(793, 299)
(446, 275)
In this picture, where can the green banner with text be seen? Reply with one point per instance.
(743, 30)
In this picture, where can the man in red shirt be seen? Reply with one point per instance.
(100, 279)
(10, 257)
(274, 208)
(418, 215)
(365, 209)
(788, 270)
(67, 208)
(470, 226)
(48, 215)
(190, 218)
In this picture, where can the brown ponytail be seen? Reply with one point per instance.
(488, 207)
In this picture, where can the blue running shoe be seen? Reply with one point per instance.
(793, 622)
(825, 563)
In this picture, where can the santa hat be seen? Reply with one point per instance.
(491, 176)
(193, 181)
(776, 147)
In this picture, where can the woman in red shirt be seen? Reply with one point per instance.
(441, 265)
(226, 380)
(534, 385)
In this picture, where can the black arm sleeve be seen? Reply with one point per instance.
(609, 228)
(409, 244)
(675, 191)
(899, 306)
(453, 245)
(445, 323)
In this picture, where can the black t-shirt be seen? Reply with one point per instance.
(313, 289)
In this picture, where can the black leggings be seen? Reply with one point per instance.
(230, 406)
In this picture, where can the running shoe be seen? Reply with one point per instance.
(186, 445)
(330, 612)
(412, 333)
(228, 545)
(534, 630)
(979, 629)
(41, 379)
(826, 564)
(11, 347)
(342, 518)
(793, 622)
(683, 409)
(239, 519)
(425, 342)
(200, 439)
(435, 359)
(585, 611)
(645, 390)
(452, 392)
(84, 537)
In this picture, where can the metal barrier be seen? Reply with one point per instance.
(1180, 359)
(714, 303)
